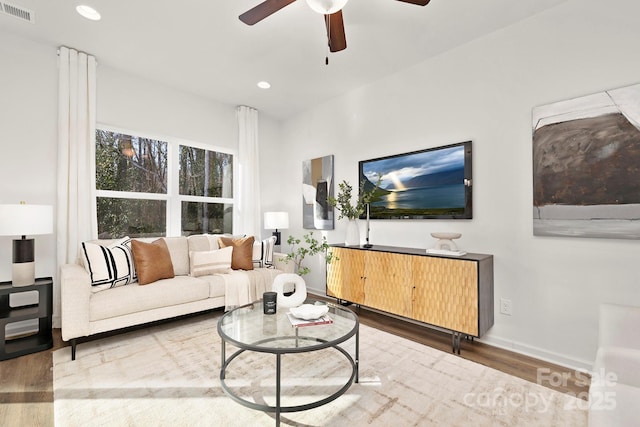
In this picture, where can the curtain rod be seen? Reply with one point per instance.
(79, 51)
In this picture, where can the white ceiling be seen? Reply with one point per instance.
(201, 47)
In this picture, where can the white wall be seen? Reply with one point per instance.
(28, 131)
(28, 128)
(130, 102)
(484, 91)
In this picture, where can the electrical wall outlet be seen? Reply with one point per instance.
(505, 306)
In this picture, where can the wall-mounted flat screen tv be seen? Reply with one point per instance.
(431, 183)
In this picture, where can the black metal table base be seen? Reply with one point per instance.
(278, 408)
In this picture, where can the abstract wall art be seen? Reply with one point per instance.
(317, 187)
(586, 166)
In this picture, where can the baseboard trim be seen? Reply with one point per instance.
(538, 353)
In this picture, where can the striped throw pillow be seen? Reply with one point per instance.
(109, 266)
(203, 263)
(267, 251)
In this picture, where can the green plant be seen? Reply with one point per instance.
(343, 201)
(313, 247)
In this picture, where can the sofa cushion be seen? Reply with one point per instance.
(136, 298)
(200, 243)
(242, 256)
(179, 251)
(210, 262)
(152, 261)
(109, 266)
(216, 284)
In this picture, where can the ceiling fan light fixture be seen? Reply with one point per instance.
(88, 12)
(326, 7)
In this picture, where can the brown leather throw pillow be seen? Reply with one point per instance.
(242, 256)
(152, 261)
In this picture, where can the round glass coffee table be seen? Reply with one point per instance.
(248, 329)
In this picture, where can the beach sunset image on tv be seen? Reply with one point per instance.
(432, 183)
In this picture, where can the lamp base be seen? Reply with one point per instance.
(23, 268)
(277, 236)
(23, 274)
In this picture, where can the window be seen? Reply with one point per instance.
(149, 187)
(205, 175)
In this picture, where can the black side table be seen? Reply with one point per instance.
(42, 311)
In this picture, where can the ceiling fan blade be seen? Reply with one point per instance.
(263, 10)
(418, 2)
(335, 31)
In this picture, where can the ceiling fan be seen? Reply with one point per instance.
(331, 9)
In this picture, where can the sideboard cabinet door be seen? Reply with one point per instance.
(345, 275)
(446, 293)
(387, 282)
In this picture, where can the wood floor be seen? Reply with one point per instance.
(26, 383)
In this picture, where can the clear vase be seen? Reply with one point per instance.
(353, 233)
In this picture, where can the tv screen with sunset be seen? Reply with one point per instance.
(430, 183)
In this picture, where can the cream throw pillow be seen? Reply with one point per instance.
(203, 263)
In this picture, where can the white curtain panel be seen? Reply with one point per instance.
(76, 204)
(248, 206)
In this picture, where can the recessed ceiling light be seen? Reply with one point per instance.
(264, 85)
(88, 12)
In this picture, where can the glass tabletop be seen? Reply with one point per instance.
(247, 327)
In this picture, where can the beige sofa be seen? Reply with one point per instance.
(615, 383)
(86, 311)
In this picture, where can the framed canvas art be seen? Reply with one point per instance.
(317, 187)
(586, 166)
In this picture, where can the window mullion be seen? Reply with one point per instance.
(131, 195)
(202, 199)
(174, 227)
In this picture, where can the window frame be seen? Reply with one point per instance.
(174, 200)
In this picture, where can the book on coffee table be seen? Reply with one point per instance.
(324, 320)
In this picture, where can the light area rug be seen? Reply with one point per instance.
(168, 375)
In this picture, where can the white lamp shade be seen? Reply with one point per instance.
(26, 220)
(276, 220)
(326, 7)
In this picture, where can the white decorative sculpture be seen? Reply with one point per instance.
(445, 245)
(446, 241)
(299, 294)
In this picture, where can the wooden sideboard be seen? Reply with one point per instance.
(454, 293)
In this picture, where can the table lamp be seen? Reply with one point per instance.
(23, 220)
(276, 221)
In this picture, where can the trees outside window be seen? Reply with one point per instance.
(149, 187)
